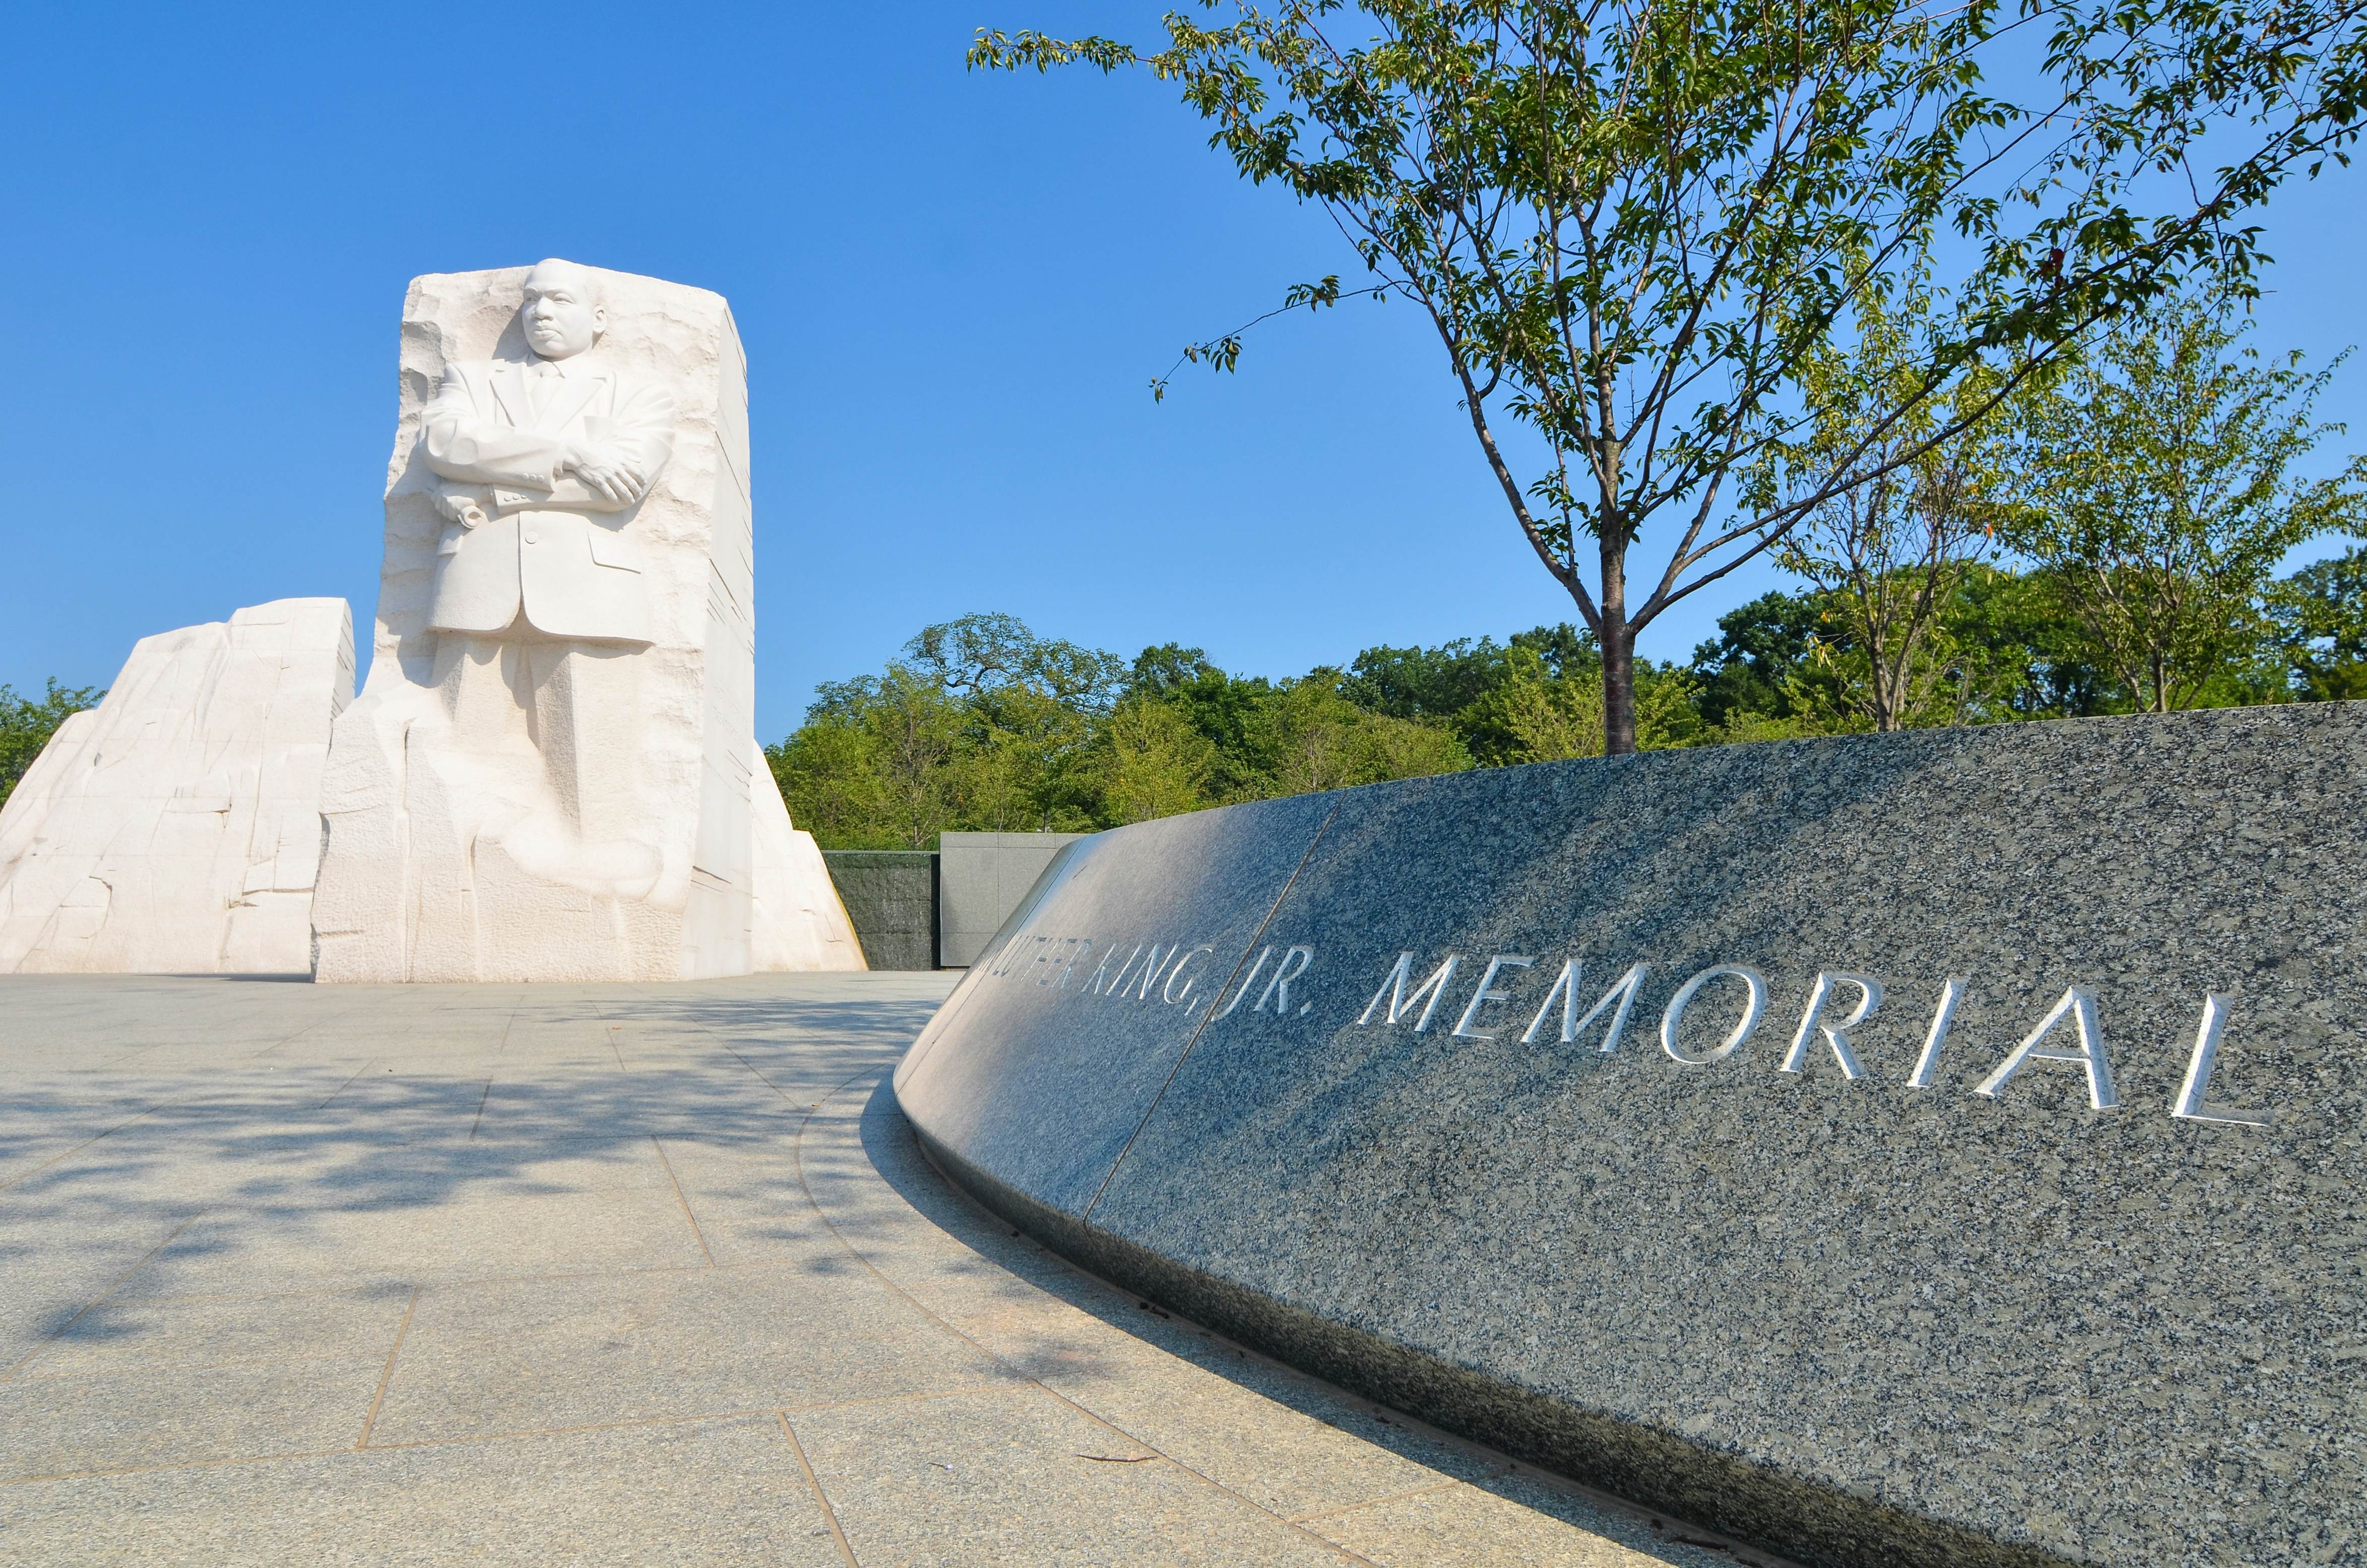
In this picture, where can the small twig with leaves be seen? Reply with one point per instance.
(1224, 352)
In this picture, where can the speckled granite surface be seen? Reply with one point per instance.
(1856, 1320)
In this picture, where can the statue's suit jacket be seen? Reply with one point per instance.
(550, 545)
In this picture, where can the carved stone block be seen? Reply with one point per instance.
(548, 775)
(176, 828)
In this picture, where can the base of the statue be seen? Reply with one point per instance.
(451, 869)
(445, 869)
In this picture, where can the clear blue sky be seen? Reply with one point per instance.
(954, 289)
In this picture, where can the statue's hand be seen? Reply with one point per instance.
(615, 482)
(460, 509)
(606, 476)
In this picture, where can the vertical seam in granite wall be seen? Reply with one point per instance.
(1255, 937)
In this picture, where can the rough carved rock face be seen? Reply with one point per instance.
(176, 828)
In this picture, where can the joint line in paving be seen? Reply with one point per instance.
(1374, 1502)
(177, 1464)
(341, 1088)
(829, 1514)
(110, 1290)
(708, 1029)
(525, 1434)
(386, 1376)
(658, 1143)
(86, 1143)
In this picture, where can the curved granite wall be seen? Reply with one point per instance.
(2055, 1254)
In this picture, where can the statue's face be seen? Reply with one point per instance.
(563, 316)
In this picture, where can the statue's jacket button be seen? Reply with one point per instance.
(531, 537)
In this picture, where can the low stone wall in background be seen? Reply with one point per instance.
(981, 877)
(891, 898)
(938, 909)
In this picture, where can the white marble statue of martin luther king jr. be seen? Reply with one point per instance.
(539, 606)
(554, 448)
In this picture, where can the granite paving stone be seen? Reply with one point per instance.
(56, 1263)
(1289, 1459)
(184, 1415)
(1514, 1522)
(289, 1247)
(415, 1276)
(538, 1354)
(1014, 1478)
(732, 1178)
(118, 1337)
(775, 1238)
(660, 1497)
(1267, 1434)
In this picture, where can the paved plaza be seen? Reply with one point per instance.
(620, 1275)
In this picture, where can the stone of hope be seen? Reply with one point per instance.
(551, 773)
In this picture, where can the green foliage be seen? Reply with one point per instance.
(1425, 683)
(1638, 226)
(1308, 735)
(1220, 708)
(2320, 614)
(2016, 654)
(983, 725)
(1455, 681)
(877, 763)
(980, 725)
(27, 724)
(1766, 664)
(1888, 553)
(2161, 499)
(995, 657)
(1046, 734)
(1157, 762)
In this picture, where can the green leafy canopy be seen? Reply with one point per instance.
(1634, 223)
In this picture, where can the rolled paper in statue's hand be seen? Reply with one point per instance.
(461, 508)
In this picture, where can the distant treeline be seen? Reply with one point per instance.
(984, 726)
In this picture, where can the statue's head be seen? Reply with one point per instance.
(563, 313)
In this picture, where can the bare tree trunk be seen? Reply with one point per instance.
(1618, 640)
(1881, 686)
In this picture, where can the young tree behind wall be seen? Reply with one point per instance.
(2163, 498)
(1154, 761)
(1632, 223)
(1891, 555)
(873, 764)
